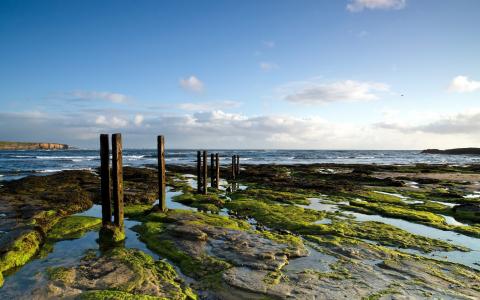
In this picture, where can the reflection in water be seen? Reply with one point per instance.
(471, 258)
(21, 283)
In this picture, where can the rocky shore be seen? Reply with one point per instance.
(278, 232)
(32, 146)
(455, 151)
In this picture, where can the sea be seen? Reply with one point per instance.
(18, 164)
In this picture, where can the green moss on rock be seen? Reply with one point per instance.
(272, 195)
(117, 295)
(276, 216)
(401, 212)
(73, 227)
(136, 210)
(20, 250)
(111, 235)
(62, 274)
(192, 266)
(210, 202)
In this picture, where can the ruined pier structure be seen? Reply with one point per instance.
(115, 192)
(116, 173)
(202, 170)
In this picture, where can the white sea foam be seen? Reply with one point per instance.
(60, 170)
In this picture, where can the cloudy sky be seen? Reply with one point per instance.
(308, 74)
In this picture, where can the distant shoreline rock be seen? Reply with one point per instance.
(454, 151)
(32, 146)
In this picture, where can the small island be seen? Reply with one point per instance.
(31, 146)
(454, 151)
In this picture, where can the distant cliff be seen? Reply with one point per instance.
(455, 151)
(31, 146)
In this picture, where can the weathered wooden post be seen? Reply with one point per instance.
(237, 166)
(105, 179)
(162, 201)
(217, 171)
(233, 167)
(199, 172)
(205, 172)
(212, 170)
(117, 178)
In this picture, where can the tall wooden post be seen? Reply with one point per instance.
(105, 179)
(205, 172)
(217, 171)
(199, 172)
(212, 170)
(162, 200)
(233, 167)
(117, 178)
(237, 165)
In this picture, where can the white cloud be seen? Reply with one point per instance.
(101, 120)
(312, 92)
(112, 122)
(94, 95)
(467, 122)
(360, 5)
(192, 84)
(219, 129)
(462, 84)
(208, 106)
(138, 120)
(268, 66)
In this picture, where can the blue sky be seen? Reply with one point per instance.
(353, 74)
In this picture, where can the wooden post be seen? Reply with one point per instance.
(237, 167)
(162, 200)
(212, 170)
(233, 167)
(199, 172)
(105, 179)
(217, 171)
(117, 178)
(205, 172)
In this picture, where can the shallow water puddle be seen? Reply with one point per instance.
(471, 258)
(466, 258)
(445, 203)
(475, 195)
(66, 253)
(318, 204)
(223, 185)
(451, 221)
(315, 260)
(175, 205)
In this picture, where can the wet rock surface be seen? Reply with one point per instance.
(125, 270)
(286, 254)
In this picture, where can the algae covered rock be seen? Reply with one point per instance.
(18, 247)
(72, 227)
(470, 211)
(117, 274)
(204, 246)
(111, 235)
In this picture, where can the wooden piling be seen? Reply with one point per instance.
(233, 167)
(217, 171)
(205, 172)
(199, 172)
(162, 200)
(237, 166)
(105, 179)
(212, 170)
(117, 177)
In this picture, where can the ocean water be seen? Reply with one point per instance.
(17, 164)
